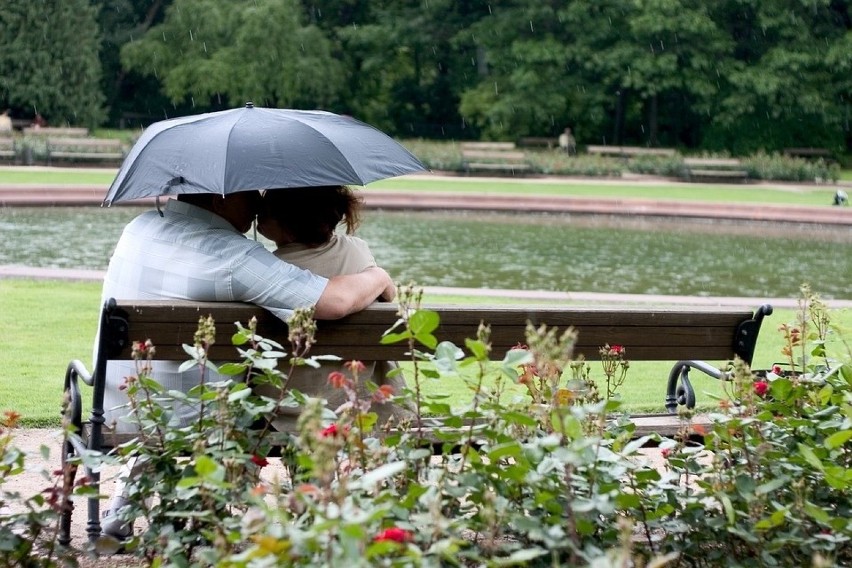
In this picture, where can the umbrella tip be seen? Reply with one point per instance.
(249, 104)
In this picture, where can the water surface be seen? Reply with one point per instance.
(558, 252)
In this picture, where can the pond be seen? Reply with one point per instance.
(556, 252)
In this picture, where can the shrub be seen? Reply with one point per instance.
(783, 168)
(551, 476)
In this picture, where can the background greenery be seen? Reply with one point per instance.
(734, 75)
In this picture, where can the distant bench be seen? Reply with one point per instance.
(809, 153)
(629, 151)
(493, 157)
(8, 150)
(85, 149)
(715, 169)
(56, 131)
(692, 337)
(538, 141)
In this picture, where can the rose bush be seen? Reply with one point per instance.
(552, 476)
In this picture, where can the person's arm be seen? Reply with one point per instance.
(353, 292)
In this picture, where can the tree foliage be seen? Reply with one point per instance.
(733, 75)
(212, 53)
(49, 61)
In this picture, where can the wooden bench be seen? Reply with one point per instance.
(60, 131)
(493, 157)
(810, 153)
(714, 170)
(109, 150)
(539, 141)
(629, 151)
(690, 337)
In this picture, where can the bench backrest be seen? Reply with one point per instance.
(487, 146)
(88, 143)
(55, 131)
(665, 334)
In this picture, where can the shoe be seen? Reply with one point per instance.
(113, 525)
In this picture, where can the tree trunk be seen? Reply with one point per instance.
(652, 121)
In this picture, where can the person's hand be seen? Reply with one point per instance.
(389, 293)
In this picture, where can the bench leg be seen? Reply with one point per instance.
(679, 391)
(72, 445)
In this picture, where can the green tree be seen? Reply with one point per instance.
(786, 86)
(406, 71)
(132, 99)
(525, 83)
(212, 53)
(49, 60)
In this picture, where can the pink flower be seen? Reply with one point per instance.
(259, 461)
(760, 388)
(355, 366)
(666, 452)
(777, 369)
(394, 534)
(617, 349)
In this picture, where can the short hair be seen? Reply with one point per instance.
(311, 214)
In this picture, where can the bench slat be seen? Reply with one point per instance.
(657, 335)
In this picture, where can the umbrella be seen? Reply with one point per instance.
(257, 148)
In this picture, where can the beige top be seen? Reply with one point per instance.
(343, 254)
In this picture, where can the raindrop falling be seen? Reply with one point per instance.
(205, 46)
(192, 99)
(496, 90)
(662, 47)
(191, 38)
(532, 29)
(164, 36)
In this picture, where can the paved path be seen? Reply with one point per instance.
(78, 195)
(521, 296)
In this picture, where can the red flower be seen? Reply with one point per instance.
(777, 369)
(383, 393)
(259, 461)
(617, 349)
(337, 379)
(355, 366)
(760, 388)
(329, 431)
(394, 534)
(666, 452)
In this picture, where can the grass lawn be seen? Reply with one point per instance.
(811, 195)
(36, 345)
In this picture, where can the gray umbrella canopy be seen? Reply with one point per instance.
(257, 148)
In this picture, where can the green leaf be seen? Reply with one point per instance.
(810, 456)
(382, 472)
(395, 337)
(770, 486)
(837, 439)
(729, 508)
(232, 369)
(477, 348)
(509, 449)
(817, 513)
(781, 388)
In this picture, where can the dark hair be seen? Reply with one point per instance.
(311, 214)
